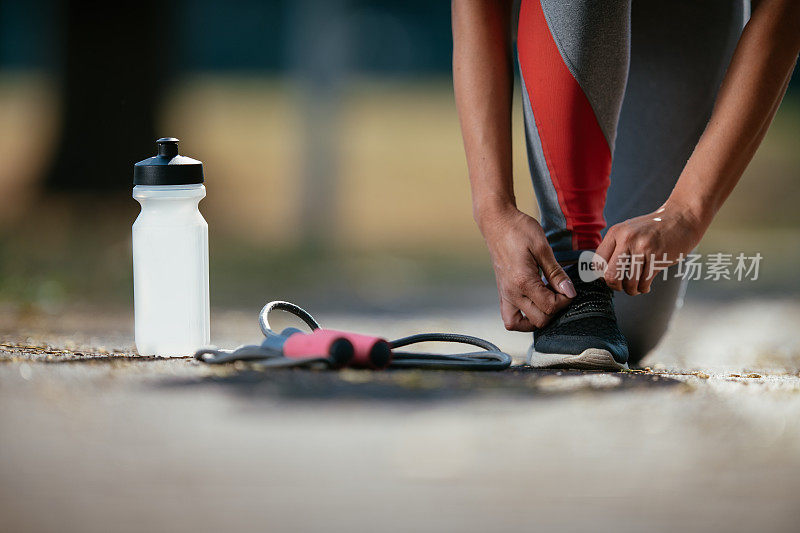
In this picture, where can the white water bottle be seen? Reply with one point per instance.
(170, 255)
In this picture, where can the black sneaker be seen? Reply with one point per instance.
(585, 335)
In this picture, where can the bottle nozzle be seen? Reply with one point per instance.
(167, 146)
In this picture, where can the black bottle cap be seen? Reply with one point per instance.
(168, 168)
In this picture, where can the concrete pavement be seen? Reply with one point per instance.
(707, 439)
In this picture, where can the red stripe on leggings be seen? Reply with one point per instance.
(577, 153)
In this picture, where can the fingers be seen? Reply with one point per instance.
(554, 274)
(647, 276)
(513, 319)
(630, 283)
(619, 276)
(637, 276)
(615, 271)
(626, 271)
(535, 316)
(533, 308)
(644, 284)
(620, 272)
(544, 298)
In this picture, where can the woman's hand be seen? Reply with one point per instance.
(519, 249)
(638, 249)
(483, 79)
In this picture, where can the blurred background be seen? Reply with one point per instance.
(333, 157)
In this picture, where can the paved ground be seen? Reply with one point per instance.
(92, 439)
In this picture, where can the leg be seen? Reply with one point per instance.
(574, 63)
(679, 53)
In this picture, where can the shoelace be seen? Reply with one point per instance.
(593, 298)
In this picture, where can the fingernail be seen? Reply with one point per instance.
(567, 288)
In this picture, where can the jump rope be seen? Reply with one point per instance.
(327, 348)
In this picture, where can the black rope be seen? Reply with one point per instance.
(490, 357)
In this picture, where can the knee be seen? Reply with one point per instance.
(644, 319)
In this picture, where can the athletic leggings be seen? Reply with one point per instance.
(616, 94)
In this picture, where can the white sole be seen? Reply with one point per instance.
(590, 359)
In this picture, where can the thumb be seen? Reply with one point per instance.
(555, 275)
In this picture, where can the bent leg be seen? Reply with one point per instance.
(573, 59)
(679, 53)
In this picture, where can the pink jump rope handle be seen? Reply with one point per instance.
(320, 343)
(340, 347)
(370, 352)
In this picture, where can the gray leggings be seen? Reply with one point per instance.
(649, 72)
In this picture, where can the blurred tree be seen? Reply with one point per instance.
(319, 54)
(113, 65)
